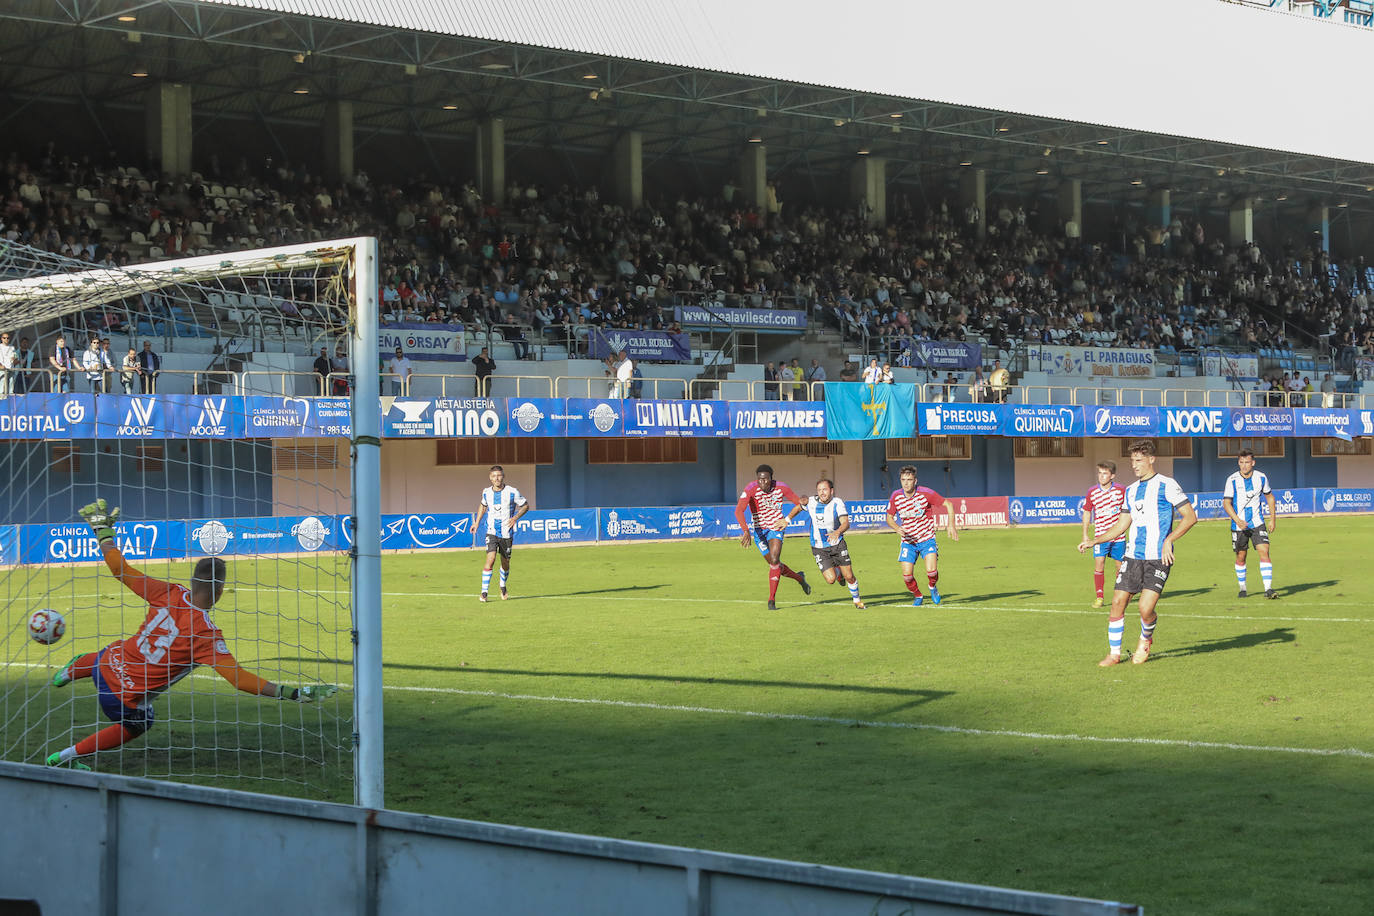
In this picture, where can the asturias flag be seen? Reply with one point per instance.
(854, 410)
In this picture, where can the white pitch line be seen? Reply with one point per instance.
(850, 723)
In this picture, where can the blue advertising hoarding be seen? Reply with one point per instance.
(1319, 421)
(422, 340)
(415, 418)
(1196, 421)
(48, 416)
(590, 418)
(1122, 422)
(777, 419)
(854, 410)
(753, 319)
(1261, 421)
(536, 417)
(1045, 510)
(1042, 420)
(1344, 500)
(556, 526)
(9, 544)
(646, 523)
(938, 419)
(689, 419)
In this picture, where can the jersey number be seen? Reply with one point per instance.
(154, 649)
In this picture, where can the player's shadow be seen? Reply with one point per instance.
(1298, 587)
(1185, 592)
(915, 697)
(998, 596)
(595, 591)
(1276, 636)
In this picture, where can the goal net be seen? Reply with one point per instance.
(185, 393)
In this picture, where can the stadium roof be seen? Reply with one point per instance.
(1024, 93)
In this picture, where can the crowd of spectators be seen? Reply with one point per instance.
(552, 263)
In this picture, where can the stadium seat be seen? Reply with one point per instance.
(102, 208)
(83, 193)
(138, 238)
(155, 252)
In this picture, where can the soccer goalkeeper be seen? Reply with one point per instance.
(177, 635)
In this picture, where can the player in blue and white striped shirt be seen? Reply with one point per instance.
(1246, 498)
(829, 521)
(1147, 520)
(503, 505)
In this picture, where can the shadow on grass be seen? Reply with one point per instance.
(1275, 636)
(591, 591)
(1185, 592)
(918, 697)
(1300, 587)
(993, 596)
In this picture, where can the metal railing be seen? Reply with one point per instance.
(755, 390)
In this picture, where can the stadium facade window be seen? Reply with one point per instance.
(486, 452)
(807, 448)
(641, 451)
(1047, 447)
(1327, 446)
(150, 459)
(64, 459)
(1269, 447)
(306, 455)
(959, 448)
(1165, 447)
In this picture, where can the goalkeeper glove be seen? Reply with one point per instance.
(101, 518)
(307, 694)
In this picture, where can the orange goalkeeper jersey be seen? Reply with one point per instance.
(175, 637)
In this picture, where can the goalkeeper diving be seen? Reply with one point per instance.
(176, 636)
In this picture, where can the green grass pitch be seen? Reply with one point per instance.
(645, 692)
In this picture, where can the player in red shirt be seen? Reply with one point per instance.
(764, 498)
(1102, 506)
(176, 636)
(911, 513)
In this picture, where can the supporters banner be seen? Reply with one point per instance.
(536, 417)
(1318, 421)
(1220, 364)
(1364, 369)
(854, 410)
(412, 418)
(694, 419)
(593, 418)
(1262, 421)
(752, 319)
(960, 419)
(777, 419)
(945, 354)
(1334, 500)
(1042, 420)
(1123, 422)
(660, 346)
(422, 340)
(1090, 362)
(1045, 510)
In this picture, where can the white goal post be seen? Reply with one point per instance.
(328, 293)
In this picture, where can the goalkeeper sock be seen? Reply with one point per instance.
(486, 581)
(1115, 628)
(1240, 575)
(108, 738)
(854, 589)
(911, 586)
(1267, 574)
(1099, 578)
(504, 574)
(774, 574)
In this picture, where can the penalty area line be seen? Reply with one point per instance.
(904, 726)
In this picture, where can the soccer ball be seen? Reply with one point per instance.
(46, 626)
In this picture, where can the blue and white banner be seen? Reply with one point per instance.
(752, 319)
(661, 346)
(73, 542)
(1344, 500)
(777, 419)
(960, 419)
(1044, 420)
(945, 354)
(593, 418)
(48, 416)
(412, 418)
(1335, 422)
(1045, 510)
(422, 340)
(660, 523)
(1261, 421)
(1122, 422)
(1196, 421)
(689, 419)
(536, 417)
(9, 544)
(277, 417)
(854, 410)
(1301, 501)
(264, 534)
(119, 416)
(1090, 362)
(1207, 505)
